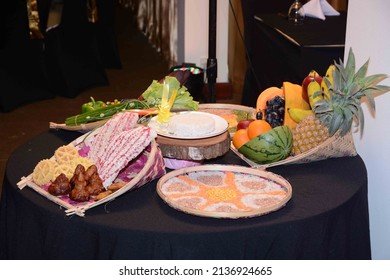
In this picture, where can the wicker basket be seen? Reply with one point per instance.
(335, 146)
(223, 110)
(267, 208)
(153, 168)
(82, 127)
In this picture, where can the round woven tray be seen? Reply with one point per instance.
(280, 182)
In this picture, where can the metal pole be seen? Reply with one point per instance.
(212, 59)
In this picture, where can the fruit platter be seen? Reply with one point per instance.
(299, 123)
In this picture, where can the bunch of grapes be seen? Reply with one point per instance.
(274, 113)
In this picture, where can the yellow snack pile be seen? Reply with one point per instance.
(66, 154)
(81, 160)
(65, 168)
(66, 159)
(44, 171)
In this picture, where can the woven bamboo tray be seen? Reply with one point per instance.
(222, 110)
(82, 127)
(335, 146)
(153, 169)
(269, 199)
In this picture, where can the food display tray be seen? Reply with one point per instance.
(153, 168)
(224, 191)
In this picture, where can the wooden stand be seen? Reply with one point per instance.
(196, 149)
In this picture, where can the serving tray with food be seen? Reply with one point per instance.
(99, 166)
(235, 115)
(300, 123)
(224, 191)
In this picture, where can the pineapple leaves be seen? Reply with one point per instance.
(344, 104)
(340, 76)
(372, 89)
(328, 83)
(360, 120)
(341, 105)
(322, 106)
(347, 123)
(371, 101)
(377, 90)
(351, 62)
(350, 67)
(336, 121)
(372, 80)
(361, 73)
(353, 90)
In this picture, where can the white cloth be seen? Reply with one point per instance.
(319, 9)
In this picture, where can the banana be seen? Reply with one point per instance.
(298, 114)
(324, 84)
(313, 75)
(293, 99)
(314, 92)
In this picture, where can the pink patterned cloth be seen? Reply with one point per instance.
(118, 123)
(118, 142)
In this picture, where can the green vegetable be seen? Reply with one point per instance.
(152, 99)
(105, 112)
(116, 101)
(184, 101)
(92, 106)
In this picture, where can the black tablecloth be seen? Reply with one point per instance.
(326, 218)
(281, 51)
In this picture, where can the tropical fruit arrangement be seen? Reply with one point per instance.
(295, 119)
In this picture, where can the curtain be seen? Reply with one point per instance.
(236, 50)
(157, 19)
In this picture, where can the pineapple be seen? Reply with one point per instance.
(308, 134)
(341, 106)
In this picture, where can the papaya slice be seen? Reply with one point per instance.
(266, 95)
(293, 99)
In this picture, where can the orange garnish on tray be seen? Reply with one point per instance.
(225, 191)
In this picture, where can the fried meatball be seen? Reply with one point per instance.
(60, 186)
(95, 185)
(79, 192)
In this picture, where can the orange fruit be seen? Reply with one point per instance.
(240, 138)
(267, 94)
(258, 127)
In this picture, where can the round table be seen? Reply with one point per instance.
(326, 218)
